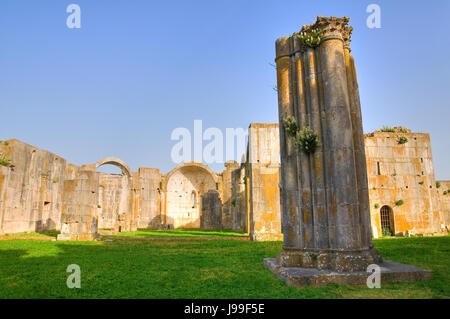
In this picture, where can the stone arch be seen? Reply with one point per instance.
(179, 185)
(114, 161)
(115, 200)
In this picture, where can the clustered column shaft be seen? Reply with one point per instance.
(324, 195)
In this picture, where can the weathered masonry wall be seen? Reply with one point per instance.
(79, 204)
(150, 198)
(114, 197)
(240, 198)
(227, 185)
(211, 216)
(401, 179)
(255, 200)
(444, 200)
(264, 200)
(40, 191)
(31, 191)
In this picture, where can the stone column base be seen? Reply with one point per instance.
(300, 277)
(337, 260)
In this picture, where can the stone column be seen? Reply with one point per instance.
(288, 176)
(325, 209)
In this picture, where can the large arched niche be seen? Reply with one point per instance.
(183, 185)
(113, 209)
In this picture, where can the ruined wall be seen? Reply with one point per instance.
(31, 190)
(227, 220)
(79, 220)
(40, 189)
(150, 198)
(211, 216)
(444, 202)
(264, 167)
(402, 172)
(114, 197)
(239, 199)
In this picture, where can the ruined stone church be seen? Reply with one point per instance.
(40, 191)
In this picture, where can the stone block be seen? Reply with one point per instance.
(300, 277)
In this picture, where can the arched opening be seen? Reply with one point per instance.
(109, 169)
(113, 209)
(387, 221)
(116, 162)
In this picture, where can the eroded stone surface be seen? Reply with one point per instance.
(300, 277)
(324, 195)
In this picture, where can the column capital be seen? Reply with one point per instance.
(331, 28)
(310, 36)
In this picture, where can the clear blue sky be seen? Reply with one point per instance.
(138, 69)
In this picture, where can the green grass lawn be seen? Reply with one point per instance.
(178, 233)
(195, 269)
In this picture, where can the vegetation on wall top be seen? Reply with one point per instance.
(387, 129)
(397, 129)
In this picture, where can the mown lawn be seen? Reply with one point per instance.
(194, 269)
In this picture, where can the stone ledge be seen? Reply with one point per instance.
(300, 277)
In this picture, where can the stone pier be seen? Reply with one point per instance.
(324, 193)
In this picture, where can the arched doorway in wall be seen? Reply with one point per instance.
(113, 209)
(387, 220)
(185, 186)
